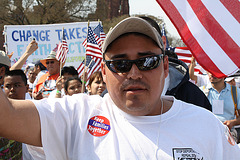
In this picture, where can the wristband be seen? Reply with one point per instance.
(85, 82)
(58, 92)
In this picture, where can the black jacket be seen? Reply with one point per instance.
(181, 88)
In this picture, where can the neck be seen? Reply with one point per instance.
(53, 74)
(167, 105)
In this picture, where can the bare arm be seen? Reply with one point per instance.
(58, 87)
(32, 47)
(191, 70)
(20, 121)
(234, 122)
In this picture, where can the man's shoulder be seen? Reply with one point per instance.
(74, 101)
(44, 76)
(192, 109)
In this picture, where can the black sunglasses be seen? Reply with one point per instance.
(143, 64)
(49, 62)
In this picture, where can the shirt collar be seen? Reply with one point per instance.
(227, 88)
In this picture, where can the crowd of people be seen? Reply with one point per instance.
(141, 105)
(43, 80)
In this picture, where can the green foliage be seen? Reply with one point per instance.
(44, 11)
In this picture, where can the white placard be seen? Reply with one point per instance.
(17, 37)
(217, 106)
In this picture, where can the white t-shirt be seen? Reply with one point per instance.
(32, 152)
(91, 127)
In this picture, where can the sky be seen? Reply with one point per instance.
(151, 7)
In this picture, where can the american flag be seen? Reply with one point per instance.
(93, 44)
(62, 50)
(185, 55)
(92, 64)
(210, 29)
(98, 30)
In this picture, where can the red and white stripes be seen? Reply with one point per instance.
(211, 30)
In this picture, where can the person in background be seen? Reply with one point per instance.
(73, 85)
(29, 65)
(31, 78)
(40, 70)
(32, 47)
(220, 96)
(47, 82)
(15, 84)
(15, 87)
(5, 64)
(66, 72)
(96, 85)
(179, 86)
(199, 80)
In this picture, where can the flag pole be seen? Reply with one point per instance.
(61, 61)
(84, 73)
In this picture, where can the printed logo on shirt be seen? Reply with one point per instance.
(98, 126)
(186, 154)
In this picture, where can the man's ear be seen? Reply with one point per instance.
(2, 71)
(164, 41)
(166, 66)
(103, 71)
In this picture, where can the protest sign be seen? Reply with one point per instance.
(17, 37)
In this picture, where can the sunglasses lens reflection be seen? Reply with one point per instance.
(143, 64)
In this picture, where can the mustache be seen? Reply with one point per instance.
(131, 82)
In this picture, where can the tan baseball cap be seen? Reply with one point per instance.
(130, 25)
(4, 59)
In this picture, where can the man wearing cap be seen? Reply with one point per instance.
(5, 63)
(47, 82)
(132, 121)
